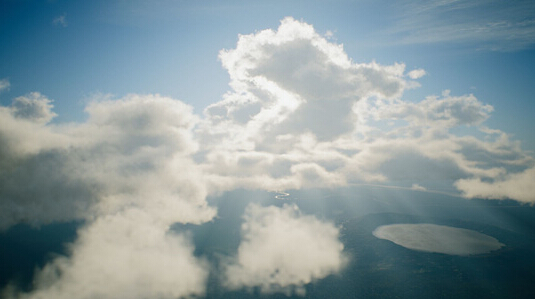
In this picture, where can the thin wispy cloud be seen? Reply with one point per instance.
(4, 84)
(489, 25)
(60, 21)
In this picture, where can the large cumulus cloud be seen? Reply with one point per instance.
(128, 173)
(292, 98)
(131, 151)
(293, 81)
(302, 114)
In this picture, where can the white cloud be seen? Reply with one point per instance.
(418, 187)
(33, 107)
(517, 186)
(293, 93)
(445, 112)
(414, 141)
(129, 174)
(282, 250)
(133, 151)
(127, 255)
(303, 114)
(295, 81)
(416, 74)
(4, 84)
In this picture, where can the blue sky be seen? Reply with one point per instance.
(129, 115)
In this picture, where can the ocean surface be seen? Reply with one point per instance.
(400, 244)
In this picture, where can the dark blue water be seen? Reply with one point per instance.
(377, 268)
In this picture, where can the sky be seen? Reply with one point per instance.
(127, 115)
